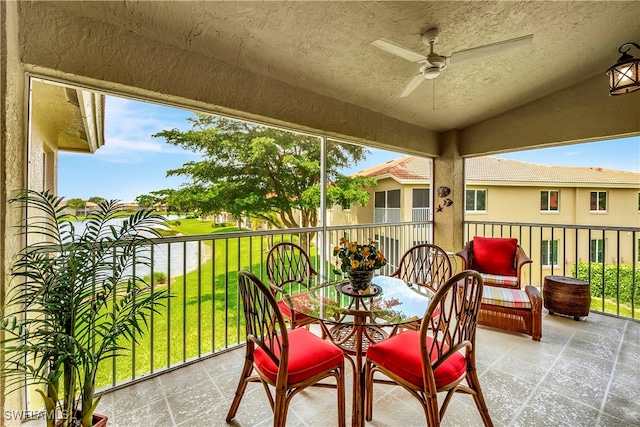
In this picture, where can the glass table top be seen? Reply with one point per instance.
(394, 302)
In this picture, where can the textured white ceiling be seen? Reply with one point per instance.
(324, 47)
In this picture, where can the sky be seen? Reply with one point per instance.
(132, 162)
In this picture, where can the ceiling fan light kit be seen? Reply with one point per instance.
(430, 72)
(624, 76)
(433, 64)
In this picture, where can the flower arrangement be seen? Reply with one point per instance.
(350, 256)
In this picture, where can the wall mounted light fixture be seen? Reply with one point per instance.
(624, 76)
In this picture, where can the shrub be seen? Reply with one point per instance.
(614, 285)
(159, 278)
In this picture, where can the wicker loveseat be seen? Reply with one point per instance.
(504, 304)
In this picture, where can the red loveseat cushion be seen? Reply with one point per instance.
(308, 355)
(400, 354)
(494, 255)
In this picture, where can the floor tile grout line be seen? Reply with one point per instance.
(537, 386)
(166, 402)
(613, 369)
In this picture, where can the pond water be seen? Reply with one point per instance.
(184, 255)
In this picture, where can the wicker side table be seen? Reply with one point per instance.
(566, 295)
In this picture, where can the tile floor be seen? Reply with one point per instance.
(584, 373)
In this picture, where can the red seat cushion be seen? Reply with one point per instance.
(400, 354)
(308, 355)
(494, 255)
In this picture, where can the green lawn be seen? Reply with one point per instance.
(611, 307)
(202, 304)
(193, 226)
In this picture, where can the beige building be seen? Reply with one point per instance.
(558, 213)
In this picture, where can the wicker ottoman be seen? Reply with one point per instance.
(566, 295)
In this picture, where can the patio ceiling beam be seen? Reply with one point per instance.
(581, 113)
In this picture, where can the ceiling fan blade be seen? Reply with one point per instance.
(490, 49)
(397, 50)
(413, 84)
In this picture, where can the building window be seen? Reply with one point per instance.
(386, 206)
(549, 200)
(549, 256)
(598, 201)
(420, 211)
(596, 250)
(638, 202)
(476, 201)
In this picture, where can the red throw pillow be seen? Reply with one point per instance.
(493, 255)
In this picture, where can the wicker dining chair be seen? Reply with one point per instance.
(288, 265)
(426, 265)
(435, 359)
(288, 361)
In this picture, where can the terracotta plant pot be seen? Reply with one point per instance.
(98, 421)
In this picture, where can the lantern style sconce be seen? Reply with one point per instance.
(624, 76)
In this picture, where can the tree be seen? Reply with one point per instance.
(255, 171)
(97, 200)
(147, 200)
(176, 201)
(75, 203)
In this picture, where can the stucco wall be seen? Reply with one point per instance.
(112, 58)
(12, 161)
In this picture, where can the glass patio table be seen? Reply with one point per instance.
(353, 320)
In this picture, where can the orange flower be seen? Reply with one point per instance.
(352, 256)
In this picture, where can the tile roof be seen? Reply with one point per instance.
(494, 169)
(403, 168)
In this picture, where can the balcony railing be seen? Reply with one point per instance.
(606, 257)
(204, 315)
(386, 215)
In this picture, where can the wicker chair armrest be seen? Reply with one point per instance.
(465, 254)
(521, 259)
(534, 297)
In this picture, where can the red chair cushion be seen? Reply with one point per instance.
(400, 354)
(309, 355)
(494, 255)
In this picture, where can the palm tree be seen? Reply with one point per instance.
(75, 300)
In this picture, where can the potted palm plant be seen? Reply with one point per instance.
(74, 301)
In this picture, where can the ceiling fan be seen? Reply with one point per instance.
(433, 63)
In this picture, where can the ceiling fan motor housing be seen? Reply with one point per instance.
(431, 72)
